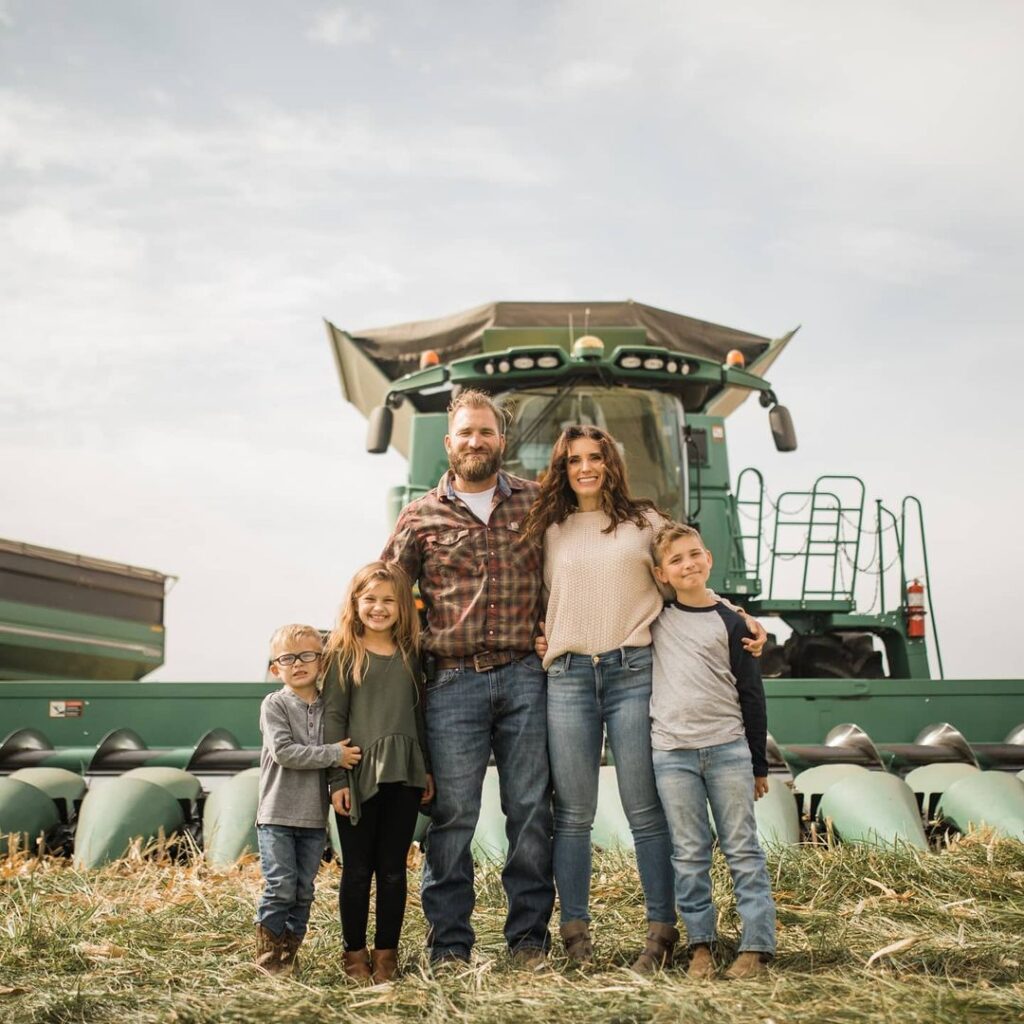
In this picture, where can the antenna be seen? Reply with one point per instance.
(572, 336)
(586, 320)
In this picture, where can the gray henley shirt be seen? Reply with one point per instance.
(293, 782)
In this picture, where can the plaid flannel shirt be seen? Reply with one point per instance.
(480, 583)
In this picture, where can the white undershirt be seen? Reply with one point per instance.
(479, 502)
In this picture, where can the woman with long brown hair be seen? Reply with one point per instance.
(601, 600)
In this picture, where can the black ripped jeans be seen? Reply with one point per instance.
(378, 845)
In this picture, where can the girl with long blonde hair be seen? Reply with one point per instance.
(372, 691)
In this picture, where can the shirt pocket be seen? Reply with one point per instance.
(450, 554)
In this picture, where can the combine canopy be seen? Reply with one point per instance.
(396, 350)
(369, 360)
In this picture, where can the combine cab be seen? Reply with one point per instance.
(866, 741)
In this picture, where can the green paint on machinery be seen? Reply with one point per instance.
(867, 742)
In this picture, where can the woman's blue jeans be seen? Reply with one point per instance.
(586, 694)
(723, 777)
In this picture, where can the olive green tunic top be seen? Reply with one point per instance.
(384, 718)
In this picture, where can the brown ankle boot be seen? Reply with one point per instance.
(576, 937)
(357, 965)
(290, 943)
(385, 963)
(701, 965)
(747, 965)
(658, 950)
(268, 951)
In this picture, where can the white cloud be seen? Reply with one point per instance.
(342, 27)
(580, 76)
(66, 242)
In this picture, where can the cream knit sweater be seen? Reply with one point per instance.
(601, 591)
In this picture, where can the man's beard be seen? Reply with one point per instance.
(476, 466)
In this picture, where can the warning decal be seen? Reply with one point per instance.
(66, 708)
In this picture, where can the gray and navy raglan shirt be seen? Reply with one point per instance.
(706, 689)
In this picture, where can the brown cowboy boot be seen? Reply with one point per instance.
(576, 937)
(290, 943)
(658, 950)
(385, 964)
(268, 951)
(747, 965)
(701, 965)
(357, 965)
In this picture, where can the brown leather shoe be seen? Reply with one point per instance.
(578, 947)
(530, 958)
(268, 950)
(290, 952)
(357, 965)
(659, 949)
(701, 965)
(385, 963)
(747, 965)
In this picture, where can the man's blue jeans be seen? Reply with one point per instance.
(585, 694)
(469, 714)
(290, 859)
(688, 780)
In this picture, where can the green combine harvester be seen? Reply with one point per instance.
(866, 741)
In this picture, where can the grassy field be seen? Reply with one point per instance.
(865, 936)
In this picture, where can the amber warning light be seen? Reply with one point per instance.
(734, 360)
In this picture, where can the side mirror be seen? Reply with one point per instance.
(783, 431)
(378, 431)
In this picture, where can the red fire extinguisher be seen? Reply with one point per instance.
(915, 609)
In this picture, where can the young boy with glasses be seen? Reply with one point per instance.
(292, 814)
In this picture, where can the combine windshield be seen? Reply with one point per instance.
(646, 425)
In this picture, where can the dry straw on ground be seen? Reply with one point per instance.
(865, 936)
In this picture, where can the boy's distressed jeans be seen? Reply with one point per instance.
(290, 859)
(688, 780)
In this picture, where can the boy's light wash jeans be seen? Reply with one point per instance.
(469, 714)
(688, 780)
(586, 693)
(290, 859)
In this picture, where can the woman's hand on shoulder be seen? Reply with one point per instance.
(754, 644)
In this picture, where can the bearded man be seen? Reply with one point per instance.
(480, 583)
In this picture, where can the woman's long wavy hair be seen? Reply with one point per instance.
(557, 500)
(347, 640)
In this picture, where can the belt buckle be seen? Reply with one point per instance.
(490, 659)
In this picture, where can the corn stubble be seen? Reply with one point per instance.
(865, 936)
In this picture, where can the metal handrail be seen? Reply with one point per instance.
(739, 559)
(927, 574)
(827, 511)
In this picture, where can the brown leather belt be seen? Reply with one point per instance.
(483, 661)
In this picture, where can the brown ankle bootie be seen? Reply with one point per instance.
(701, 965)
(659, 949)
(357, 965)
(290, 943)
(747, 965)
(576, 937)
(385, 964)
(268, 951)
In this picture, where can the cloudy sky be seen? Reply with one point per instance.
(187, 188)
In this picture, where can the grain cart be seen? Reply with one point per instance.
(865, 737)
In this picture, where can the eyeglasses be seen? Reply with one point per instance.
(284, 660)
